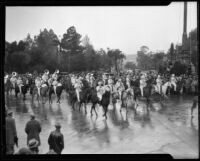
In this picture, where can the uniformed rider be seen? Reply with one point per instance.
(159, 84)
(173, 81)
(78, 86)
(100, 90)
(142, 84)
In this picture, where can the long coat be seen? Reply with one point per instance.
(11, 131)
(56, 141)
(33, 130)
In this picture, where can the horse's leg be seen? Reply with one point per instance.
(91, 109)
(80, 104)
(85, 108)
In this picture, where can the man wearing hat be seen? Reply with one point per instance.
(159, 84)
(20, 84)
(92, 79)
(45, 78)
(56, 139)
(11, 133)
(33, 146)
(33, 129)
(173, 81)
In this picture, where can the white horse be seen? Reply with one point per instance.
(163, 88)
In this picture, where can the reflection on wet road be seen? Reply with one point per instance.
(164, 128)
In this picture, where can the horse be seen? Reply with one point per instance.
(59, 89)
(24, 90)
(8, 86)
(105, 101)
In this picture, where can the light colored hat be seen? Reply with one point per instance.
(158, 76)
(173, 75)
(100, 82)
(6, 76)
(33, 143)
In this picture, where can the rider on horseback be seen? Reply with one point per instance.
(20, 84)
(38, 83)
(13, 79)
(110, 83)
(119, 87)
(78, 85)
(100, 90)
(55, 82)
(142, 83)
(159, 84)
(45, 78)
(91, 80)
(173, 81)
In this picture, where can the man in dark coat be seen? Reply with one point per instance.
(56, 140)
(11, 133)
(33, 129)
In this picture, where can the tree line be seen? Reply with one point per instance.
(71, 53)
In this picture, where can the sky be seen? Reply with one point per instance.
(126, 28)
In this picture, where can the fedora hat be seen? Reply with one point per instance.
(57, 124)
(33, 143)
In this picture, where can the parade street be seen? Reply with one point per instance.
(167, 128)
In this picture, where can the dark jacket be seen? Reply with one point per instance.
(33, 130)
(11, 131)
(56, 141)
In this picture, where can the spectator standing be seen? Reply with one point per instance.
(56, 139)
(33, 129)
(11, 133)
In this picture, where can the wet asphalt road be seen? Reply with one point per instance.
(166, 128)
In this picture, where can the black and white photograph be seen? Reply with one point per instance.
(102, 80)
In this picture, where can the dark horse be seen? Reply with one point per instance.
(85, 95)
(59, 90)
(24, 90)
(104, 102)
(147, 90)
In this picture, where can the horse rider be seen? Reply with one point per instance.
(73, 79)
(142, 83)
(38, 83)
(111, 83)
(13, 79)
(128, 81)
(119, 87)
(45, 78)
(173, 81)
(104, 78)
(6, 78)
(87, 77)
(78, 85)
(91, 80)
(100, 90)
(20, 84)
(55, 82)
(159, 84)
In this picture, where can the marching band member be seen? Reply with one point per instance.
(100, 90)
(173, 81)
(78, 85)
(119, 87)
(159, 83)
(142, 84)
